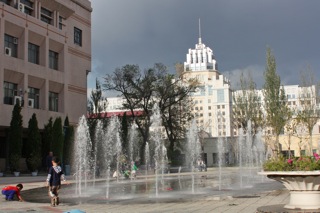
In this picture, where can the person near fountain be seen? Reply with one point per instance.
(203, 166)
(11, 191)
(134, 169)
(54, 178)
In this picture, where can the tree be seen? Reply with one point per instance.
(124, 135)
(33, 158)
(47, 138)
(247, 106)
(15, 138)
(137, 89)
(68, 142)
(308, 112)
(275, 101)
(57, 135)
(175, 106)
(141, 90)
(96, 105)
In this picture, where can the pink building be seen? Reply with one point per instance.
(45, 58)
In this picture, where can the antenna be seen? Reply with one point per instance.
(199, 32)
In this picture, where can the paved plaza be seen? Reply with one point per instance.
(246, 201)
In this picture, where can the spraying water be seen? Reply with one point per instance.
(82, 158)
(155, 130)
(194, 148)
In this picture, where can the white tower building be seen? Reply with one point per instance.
(213, 96)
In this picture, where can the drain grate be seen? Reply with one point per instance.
(246, 196)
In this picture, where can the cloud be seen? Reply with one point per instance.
(255, 71)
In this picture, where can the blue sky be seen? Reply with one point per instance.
(145, 32)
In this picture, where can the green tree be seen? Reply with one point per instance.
(275, 101)
(175, 106)
(124, 134)
(308, 113)
(68, 142)
(137, 89)
(142, 89)
(33, 147)
(247, 106)
(57, 135)
(15, 138)
(97, 105)
(47, 138)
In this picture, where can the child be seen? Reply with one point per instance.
(54, 178)
(10, 191)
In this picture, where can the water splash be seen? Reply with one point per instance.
(193, 149)
(82, 159)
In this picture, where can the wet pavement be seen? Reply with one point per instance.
(138, 195)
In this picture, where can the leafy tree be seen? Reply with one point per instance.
(137, 89)
(97, 104)
(15, 138)
(33, 158)
(47, 138)
(57, 135)
(175, 107)
(142, 89)
(277, 112)
(247, 107)
(68, 142)
(308, 113)
(124, 135)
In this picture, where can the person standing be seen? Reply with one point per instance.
(49, 160)
(55, 175)
(10, 191)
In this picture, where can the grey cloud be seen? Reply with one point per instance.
(147, 31)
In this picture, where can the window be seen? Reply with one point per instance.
(6, 1)
(10, 90)
(218, 106)
(201, 108)
(46, 16)
(220, 95)
(53, 101)
(209, 113)
(61, 24)
(53, 60)
(78, 36)
(33, 53)
(33, 98)
(28, 6)
(11, 45)
(209, 107)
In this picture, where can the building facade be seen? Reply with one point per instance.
(213, 96)
(45, 58)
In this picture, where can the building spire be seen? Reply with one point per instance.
(199, 32)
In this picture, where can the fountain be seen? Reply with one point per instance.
(108, 151)
(155, 130)
(193, 149)
(82, 159)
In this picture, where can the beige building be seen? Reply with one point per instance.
(45, 58)
(212, 97)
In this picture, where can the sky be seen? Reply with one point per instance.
(145, 32)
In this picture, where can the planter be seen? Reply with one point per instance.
(304, 187)
(34, 173)
(16, 174)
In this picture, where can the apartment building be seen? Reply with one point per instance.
(45, 58)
